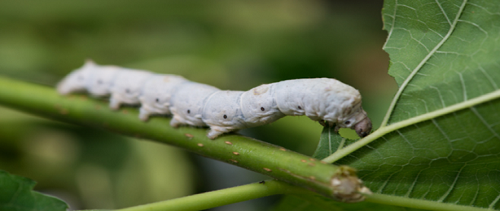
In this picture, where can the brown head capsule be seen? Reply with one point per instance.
(363, 127)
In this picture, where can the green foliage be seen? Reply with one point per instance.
(16, 194)
(444, 55)
(329, 142)
(445, 59)
(437, 147)
(442, 59)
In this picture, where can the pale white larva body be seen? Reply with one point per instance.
(127, 87)
(325, 100)
(187, 103)
(156, 94)
(100, 82)
(76, 81)
(320, 99)
(259, 106)
(222, 113)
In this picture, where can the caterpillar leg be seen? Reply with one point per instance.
(114, 103)
(216, 131)
(144, 114)
(213, 133)
(326, 123)
(175, 122)
(331, 124)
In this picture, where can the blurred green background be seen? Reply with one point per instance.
(229, 44)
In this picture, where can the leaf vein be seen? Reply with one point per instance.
(492, 82)
(474, 110)
(444, 13)
(494, 202)
(452, 186)
(421, 64)
(464, 90)
(440, 96)
(393, 22)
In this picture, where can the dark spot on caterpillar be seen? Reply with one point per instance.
(299, 107)
(157, 100)
(347, 122)
(189, 111)
(127, 90)
(225, 116)
(262, 109)
(262, 182)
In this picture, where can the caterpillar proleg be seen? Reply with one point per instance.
(127, 87)
(156, 94)
(328, 101)
(187, 103)
(222, 113)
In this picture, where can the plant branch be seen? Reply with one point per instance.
(431, 115)
(248, 153)
(221, 197)
(418, 203)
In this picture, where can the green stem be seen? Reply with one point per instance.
(418, 203)
(387, 129)
(258, 156)
(221, 197)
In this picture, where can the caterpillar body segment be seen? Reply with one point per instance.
(127, 87)
(156, 94)
(222, 113)
(259, 106)
(101, 80)
(187, 103)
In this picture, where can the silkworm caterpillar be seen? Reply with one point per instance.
(328, 101)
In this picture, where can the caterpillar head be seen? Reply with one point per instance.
(358, 121)
(353, 116)
(357, 118)
(363, 127)
(76, 80)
